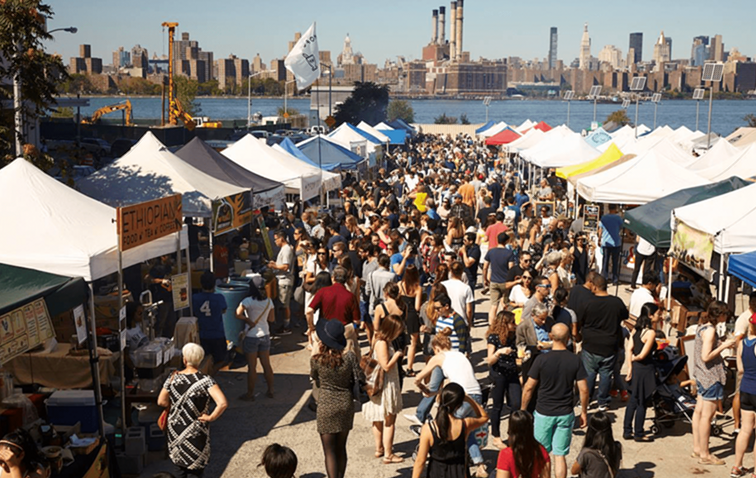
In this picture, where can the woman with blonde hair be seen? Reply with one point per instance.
(188, 393)
(382, 408)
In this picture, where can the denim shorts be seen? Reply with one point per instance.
(253, 345)
(715, 392)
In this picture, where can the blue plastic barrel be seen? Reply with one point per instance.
(234, 294)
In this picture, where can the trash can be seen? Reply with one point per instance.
(234, 293)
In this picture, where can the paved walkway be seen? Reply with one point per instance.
(242, 433)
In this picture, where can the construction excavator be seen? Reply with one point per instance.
(124, 105)
(175, 110)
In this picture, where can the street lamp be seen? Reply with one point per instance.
(655, 99)
(638, 85)
(17, 102)
(712, 72)
(487, 103)
(698, 95)
(568, 95)
(249, 97)
(594, 94)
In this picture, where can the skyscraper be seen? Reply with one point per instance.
(716, 50)
(699, 52)
(585, 50)
(661, 51)
(553, 48)
(636, 44)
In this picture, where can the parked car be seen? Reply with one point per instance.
(104, 145)
(121, 146)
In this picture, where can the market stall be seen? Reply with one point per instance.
(743, 266)
(149, 171)
(265, 192)
(321, 151)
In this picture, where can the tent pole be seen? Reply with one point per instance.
(94, 360)
(189, 274)
(210, 235)
(721, 274)
(121, 331)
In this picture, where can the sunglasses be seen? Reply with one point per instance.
(322, 253)
(527, 277)
(526, 260)
(545, 286)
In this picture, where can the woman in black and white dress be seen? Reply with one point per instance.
(189, 393)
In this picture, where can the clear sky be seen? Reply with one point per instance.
(384, 29)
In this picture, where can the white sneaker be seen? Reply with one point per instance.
(413, 418)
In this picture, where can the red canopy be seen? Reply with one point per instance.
(506, 136)
(542, 126)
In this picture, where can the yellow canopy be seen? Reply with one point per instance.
(611, 155)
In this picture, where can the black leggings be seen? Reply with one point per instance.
(334, 448)
(509, 387)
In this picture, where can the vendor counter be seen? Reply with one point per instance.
(59, 369)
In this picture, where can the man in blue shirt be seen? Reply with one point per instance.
(209, 308)
(521, 197)
(611, 243)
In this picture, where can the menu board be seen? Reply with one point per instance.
(24, 329)
(590, 218)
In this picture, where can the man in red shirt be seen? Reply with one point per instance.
(337, 302)
(493, 231)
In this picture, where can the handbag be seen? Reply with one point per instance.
(374, 374)
(247, 327)
(162, 421)
(358, 387)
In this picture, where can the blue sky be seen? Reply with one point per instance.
(387, 28)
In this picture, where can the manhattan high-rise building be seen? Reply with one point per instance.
(716, 50)
(636, 45)
(553, 48)
(585, 50)
(699, 52)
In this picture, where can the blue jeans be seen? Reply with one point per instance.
(426, 404)
(613, 254)
(619, 381)
(604, 367)
(464, 411)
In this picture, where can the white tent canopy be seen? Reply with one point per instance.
(526, 125)
(528, 140)
(61, 231)
(330, 181)
(730, 217)
(373, 132)
(347, 137)
(719, 154)
(645, 178)
(556, 152)
(254, 155)
(149, 171)
(383, 127)
(741, 164)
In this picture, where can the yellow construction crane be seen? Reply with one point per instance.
(172, 109)
(125, 106)
(175, 110)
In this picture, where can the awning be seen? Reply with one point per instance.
(743, 266)
(651, 221)
(611, 155)
(19, 286)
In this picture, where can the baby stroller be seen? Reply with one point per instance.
(670, 401)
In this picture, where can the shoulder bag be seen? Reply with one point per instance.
(162, 420)
(247, 327)
(373, 374)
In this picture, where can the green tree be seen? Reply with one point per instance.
(185, 90)
(443, 119)
(619, 117)
(23, 28)
(77, 83)
(463, 119)
(750, 119)
(400, 109)
(368, 102)
(209, 88)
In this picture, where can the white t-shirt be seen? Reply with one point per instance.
(254, 309)
(460, 295)
(640, 296)
(741, 324)
(459, 370)
(517, 295)
(644, 247)
(285, 256)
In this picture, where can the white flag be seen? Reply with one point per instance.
(303, 61)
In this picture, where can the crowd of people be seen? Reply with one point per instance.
(386, 284)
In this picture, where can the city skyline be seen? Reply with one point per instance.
(394, 28)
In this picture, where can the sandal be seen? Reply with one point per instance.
(379, 454)
(411, 373)
(695, 455)
(392, 459)
(712, 461)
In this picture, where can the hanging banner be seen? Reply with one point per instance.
(180, 291)
(231, 212)
(144, 222)
(265, 237)
(80, 322)
(23, 329)
(693, 248)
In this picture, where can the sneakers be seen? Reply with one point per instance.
(603, 408)
(416, 429)
(613, 393)
(625, 396)
(285, 331)
(413, 419)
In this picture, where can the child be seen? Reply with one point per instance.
(279, 461)
(601, 455)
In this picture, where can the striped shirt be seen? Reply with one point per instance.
(459, 333)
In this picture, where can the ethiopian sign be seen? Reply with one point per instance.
(147, 221)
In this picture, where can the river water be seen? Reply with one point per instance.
(727, 115)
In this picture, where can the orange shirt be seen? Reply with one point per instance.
(468, 194)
